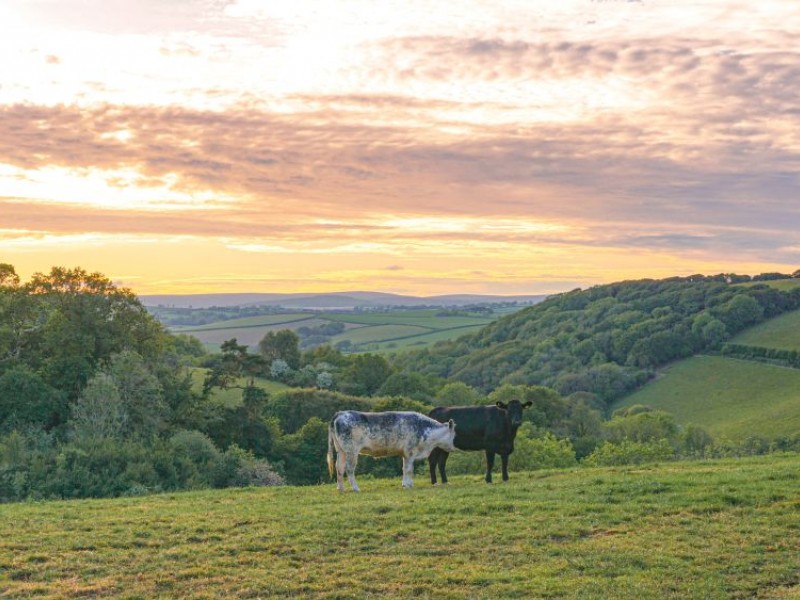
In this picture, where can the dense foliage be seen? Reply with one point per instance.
(605, 340)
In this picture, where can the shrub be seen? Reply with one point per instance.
(629, 452)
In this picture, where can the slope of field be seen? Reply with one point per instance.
(725, 529)
(782, 332)
(727, 396)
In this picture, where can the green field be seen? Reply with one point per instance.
(781, 284)
(721, 529)
(727, 396)
(375, 332)
(247, 322)
(782, 332)
(232, 397)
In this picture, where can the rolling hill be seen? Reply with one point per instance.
(338, 300)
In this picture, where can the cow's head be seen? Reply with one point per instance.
(514, 410)
(446, 436)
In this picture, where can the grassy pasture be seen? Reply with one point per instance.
(781, 284)
(247, 322)
(425, 339)
(782, 332)
(722, 529)
(727, 396)
(249, 335)
(418, 318)
(392, 330)
(367, 334)
(232, 397)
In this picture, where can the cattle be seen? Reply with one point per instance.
(491, 428)
(408, 434)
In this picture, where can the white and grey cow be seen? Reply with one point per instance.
(408, 434)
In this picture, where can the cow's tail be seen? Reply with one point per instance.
(330, 448)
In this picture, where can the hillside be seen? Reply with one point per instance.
(782, 333)
(727, 396)
(723, 529)
(607, 340)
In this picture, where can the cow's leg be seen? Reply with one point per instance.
(443, 466)
(504, 459)
(408, 471)
(433, 459)
(340, 467)
(350, 466)
(489, 465)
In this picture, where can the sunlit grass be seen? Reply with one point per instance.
(727, 396)
(725, 529)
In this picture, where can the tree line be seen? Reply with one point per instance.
(98, 399)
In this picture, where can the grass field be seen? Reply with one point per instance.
(727, 396)
(233, 396)
(781, 284)
(782, 332)
(374, 332)
(725, 529)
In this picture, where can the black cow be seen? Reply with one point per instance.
(491, 428)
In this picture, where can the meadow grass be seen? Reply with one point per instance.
(232, 397)
(782, 332)
(784, 285)
(376, 333)
(727, 396)
(256, 321)
(421, 318)
(714, 529)
(380, 331)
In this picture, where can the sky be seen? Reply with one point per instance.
(501, 147)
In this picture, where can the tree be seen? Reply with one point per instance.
(82, 319)
(410, 385)
(458, 393)
(234, 364)
(281, 345)
(140, 394)
(25, 399)
(365, 375)
(99, 412)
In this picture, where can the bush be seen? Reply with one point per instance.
(629, 452)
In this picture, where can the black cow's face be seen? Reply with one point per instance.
(514, 410)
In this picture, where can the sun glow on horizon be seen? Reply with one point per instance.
(498, 146)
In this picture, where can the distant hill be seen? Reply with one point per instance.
(335, 300)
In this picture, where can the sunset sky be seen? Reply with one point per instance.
(519, 146)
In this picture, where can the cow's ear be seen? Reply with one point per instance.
(501, 405)
(528, 404)
(451, 424)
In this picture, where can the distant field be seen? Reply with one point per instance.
(247, 322)
(727, 396)
(375, 332)
(717, 529)
(418, 318)
(782, 332)
(425, 339)
(250, 335)
(781, 284)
